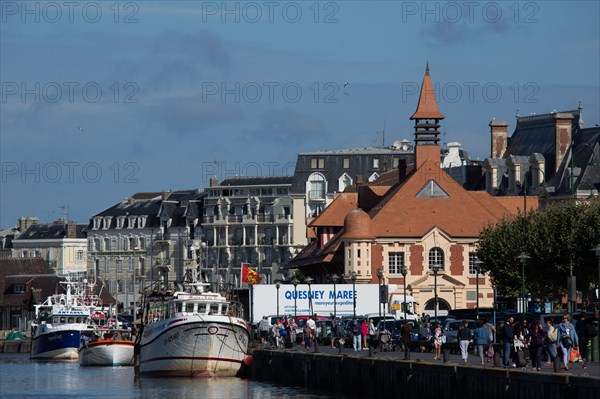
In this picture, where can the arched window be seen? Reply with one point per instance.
(316, 187)
(436, 257)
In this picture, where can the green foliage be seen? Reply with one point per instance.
(554, 237)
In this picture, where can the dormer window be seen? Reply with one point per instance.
(131, 222)
(107, 220)
(97, 223)
(432, 190)
(120, 222)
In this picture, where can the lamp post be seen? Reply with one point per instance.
(277, 285)
(523, 258)
(435, 267)
(295, 282)
(477, 271)
(309, 281)
(334, 278)
(597, 250)
(353, 278)
(404, 272)
(379, 276)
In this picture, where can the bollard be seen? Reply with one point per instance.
(340, 343)
(446, 355)
(595, 352)
(406, 352)
(370, 350)
(556, 364)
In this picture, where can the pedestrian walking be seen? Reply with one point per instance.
(356, 336)
(263, 329)
(567, 339)
(536, 343)
(481, 339)
(372, 334)
(582, 334)
(551, 338)
(364, 330)
(464, 337)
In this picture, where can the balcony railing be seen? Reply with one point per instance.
(316, 194)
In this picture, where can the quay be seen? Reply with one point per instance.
(388, 375)
(15, 346)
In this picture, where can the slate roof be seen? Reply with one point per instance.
(536, 134)
(51, 231)
(361, 163)
(150, 205)
(256, 180)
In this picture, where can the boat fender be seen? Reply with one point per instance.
(247, 360)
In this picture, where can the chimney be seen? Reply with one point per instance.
(71, 230)
(562, 130)
(214, 182)
(401, 169)
(359, 180)
(499, 133)
(26, 221)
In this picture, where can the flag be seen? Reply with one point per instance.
(249, 276)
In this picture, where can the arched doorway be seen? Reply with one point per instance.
(443, 307)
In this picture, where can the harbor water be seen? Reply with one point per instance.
(21, 378)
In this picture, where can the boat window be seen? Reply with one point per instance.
(70, 320)
(63, 319)
(55, 320)
(180, 307)
(214, 309)
(224, 309)
(190, 308)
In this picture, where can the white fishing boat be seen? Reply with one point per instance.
(63, 323)
(191, 333)
(115, 348)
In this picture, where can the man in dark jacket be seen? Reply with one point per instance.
(507, 340)
(581, 330)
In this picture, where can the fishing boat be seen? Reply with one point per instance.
(190, 333)
(113, 348)
(63, 323)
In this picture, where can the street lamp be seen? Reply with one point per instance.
(478, 263)
(379, 276)
(353, 278)
(295, 282)
(523, 258)
(334, 278)
(435, 268)
(309, 281)
(404, 272)
(597, 250)
(277, 285)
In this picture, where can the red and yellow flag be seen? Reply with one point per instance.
(249, 276)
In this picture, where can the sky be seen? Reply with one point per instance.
(103, 99)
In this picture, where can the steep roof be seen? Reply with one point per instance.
(427, 107)
(335, 212)
(409, 211)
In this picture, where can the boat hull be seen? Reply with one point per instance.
(193, 347)
(107, 353)
(59, 345)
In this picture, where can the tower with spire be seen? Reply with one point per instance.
(427, 119)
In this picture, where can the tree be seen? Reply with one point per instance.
(555, 238)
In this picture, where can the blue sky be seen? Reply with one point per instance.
(103, 99)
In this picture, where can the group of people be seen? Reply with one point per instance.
(284, 330)
(519, 339)
(363, 334)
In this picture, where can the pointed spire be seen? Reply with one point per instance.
(427, 107)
